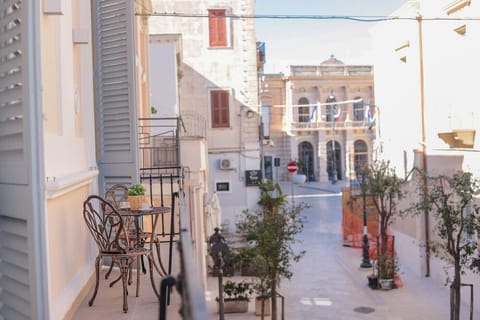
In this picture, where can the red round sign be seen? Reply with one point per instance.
(292, 166)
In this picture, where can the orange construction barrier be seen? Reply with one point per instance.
(352, 219)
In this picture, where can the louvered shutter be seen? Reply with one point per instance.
(23, 279)
(115, 101)
(220, 108)
(217, 28)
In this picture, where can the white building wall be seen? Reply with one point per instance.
(450, 101)
(232, 68)
(69, 149)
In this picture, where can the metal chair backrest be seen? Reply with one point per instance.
(116, 194)
(106, 225)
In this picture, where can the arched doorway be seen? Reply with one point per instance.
(338, 160)
(305, 157)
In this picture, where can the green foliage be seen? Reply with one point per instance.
(387, 266)
(271, 233)
(450, 201)
(457, 223)
(153, 110)
(136, 189)
(385, 189)
(237, 290)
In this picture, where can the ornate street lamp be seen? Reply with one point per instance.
(362, 178)
(218, 250)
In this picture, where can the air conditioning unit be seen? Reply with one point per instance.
(227, 164)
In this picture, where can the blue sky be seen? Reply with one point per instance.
(290, 42)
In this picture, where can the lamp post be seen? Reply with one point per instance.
(332, 106)
(218, 250)
(366, 257)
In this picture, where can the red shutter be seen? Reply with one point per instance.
(220, 109)
(217, 26)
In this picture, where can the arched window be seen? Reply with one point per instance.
(358, 110)
(361, 154)
(303, 112)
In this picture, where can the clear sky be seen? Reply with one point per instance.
(294, 42)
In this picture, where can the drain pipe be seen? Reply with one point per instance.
(424, 146)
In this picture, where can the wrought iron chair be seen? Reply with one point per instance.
(117, 194)
(107, 227)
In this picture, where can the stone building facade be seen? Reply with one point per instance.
(218, 87)
(313, 108)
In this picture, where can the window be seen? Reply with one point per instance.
(361, 154)
(358, 110)
(331, 109)
(217, 28)
(303, 112)
(220, 109)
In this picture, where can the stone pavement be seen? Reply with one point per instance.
(328, 282)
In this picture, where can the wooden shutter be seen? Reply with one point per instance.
(220, 108)
(23, 276)
(217, 26)
(115, 101)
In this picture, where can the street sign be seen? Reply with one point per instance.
(292, 166)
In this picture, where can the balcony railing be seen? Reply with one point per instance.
(166, 187)
(159, 138)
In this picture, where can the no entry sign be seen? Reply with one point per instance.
(292, 166)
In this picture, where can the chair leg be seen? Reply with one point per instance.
(97, 278)
(150, 266)
(138, 275)
(109, 270)
(124, 269)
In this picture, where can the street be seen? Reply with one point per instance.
(328, 283)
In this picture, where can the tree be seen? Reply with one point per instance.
(385, 190)
(457, 222)
(272, 231)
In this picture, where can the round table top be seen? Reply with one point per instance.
(143, 212)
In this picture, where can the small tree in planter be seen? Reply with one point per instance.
(385, 190)
(450, 200)
(272, 231)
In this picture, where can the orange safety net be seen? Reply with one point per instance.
(352, 220)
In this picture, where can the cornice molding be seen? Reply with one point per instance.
(456, 5)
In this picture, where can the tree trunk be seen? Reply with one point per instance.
(274, 297)
(455, 294)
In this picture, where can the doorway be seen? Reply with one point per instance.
(331, 156)
(305, 157)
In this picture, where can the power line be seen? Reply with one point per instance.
(306, 17)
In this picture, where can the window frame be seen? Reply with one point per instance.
(227, 121)
(218, 20)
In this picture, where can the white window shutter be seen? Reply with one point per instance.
(115, 101)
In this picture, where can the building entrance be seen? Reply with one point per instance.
(305, 155)
(331, 157)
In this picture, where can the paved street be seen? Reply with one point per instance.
(328, 283)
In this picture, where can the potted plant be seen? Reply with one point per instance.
(136, 195)
(271, 232)
(451, 202)
(387, 270)
(236, 296)
(386, 190)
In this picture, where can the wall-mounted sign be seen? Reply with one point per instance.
(253, 177)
